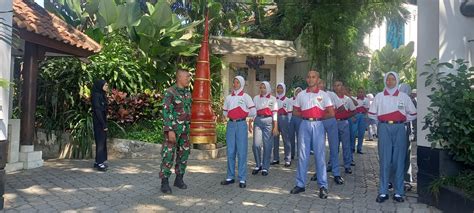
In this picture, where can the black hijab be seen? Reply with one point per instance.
(98, 91)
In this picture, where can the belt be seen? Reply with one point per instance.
(237, 120)
(342, 119)
(311, 119)
(264, 116)
(392, 122)
(283, 115)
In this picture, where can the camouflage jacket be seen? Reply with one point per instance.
(177, 109)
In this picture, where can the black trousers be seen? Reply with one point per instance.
(100, 137)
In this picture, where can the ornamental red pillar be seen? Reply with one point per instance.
(203, 124)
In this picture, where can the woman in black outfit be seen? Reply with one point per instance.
(99, 118)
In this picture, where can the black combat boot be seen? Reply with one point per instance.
(165, 186)
(178, 182)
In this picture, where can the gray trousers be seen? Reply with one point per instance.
(283, 127)
(262, 141)
(392, 148)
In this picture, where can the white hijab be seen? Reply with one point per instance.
(296, 90)
(405, 88)
(284, 90)
(267, 86)
(395, 88)
(242, 85)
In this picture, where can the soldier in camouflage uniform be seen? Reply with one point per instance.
(176, 121)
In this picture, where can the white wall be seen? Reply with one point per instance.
(454, 32)
(443, 34)
(5, 67)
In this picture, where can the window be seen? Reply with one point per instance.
(242, 71)
(263, 75)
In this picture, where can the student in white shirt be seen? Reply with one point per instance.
(392, 109)
(361, 117)
(237, 107)
(265, 126)
(295, 122)
(372, 125)
(345, 109)
(331, 130)
(283, 127)
(313, 106)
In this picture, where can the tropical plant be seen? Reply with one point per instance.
(399, 60)
(450, 117)
(332, 31)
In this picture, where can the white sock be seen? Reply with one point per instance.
(228, 179)
(242, 181)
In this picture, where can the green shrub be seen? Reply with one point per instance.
(151, 131)
(464, 182)
(220, 131)
(450, 117)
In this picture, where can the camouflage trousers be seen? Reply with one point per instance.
(180, 149)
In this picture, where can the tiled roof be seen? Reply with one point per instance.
(31, 17)
(252, 46)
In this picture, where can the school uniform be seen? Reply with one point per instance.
(361, 120)
(344, 108)
(312, 106)
(331, 130)
(371, 123)
(392, 109)
(283, 127)
(237, 107)
(267, 107)
(293, 128)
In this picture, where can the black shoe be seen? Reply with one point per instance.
(264, 173)
(292, 157)
(323, 193)
(227, 182)
(275, 162)
(255, 171)
(381, 199)
(398, 198)
(287, 164)
(101, 167)
(311, 152)
(390, 186)
(178, 182)
(165, 186)
(297, 190)
(242, 185)
(348, 170)
(360, 152)
(339, 180)
(329, 169)
(314, 178)
(352, 163)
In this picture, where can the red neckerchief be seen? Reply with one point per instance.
(268, 96)
(240, 93)
(315, 91)
(385, 92)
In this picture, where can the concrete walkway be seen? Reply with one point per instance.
(133, 185)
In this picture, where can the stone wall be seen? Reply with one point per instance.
(54, 147)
